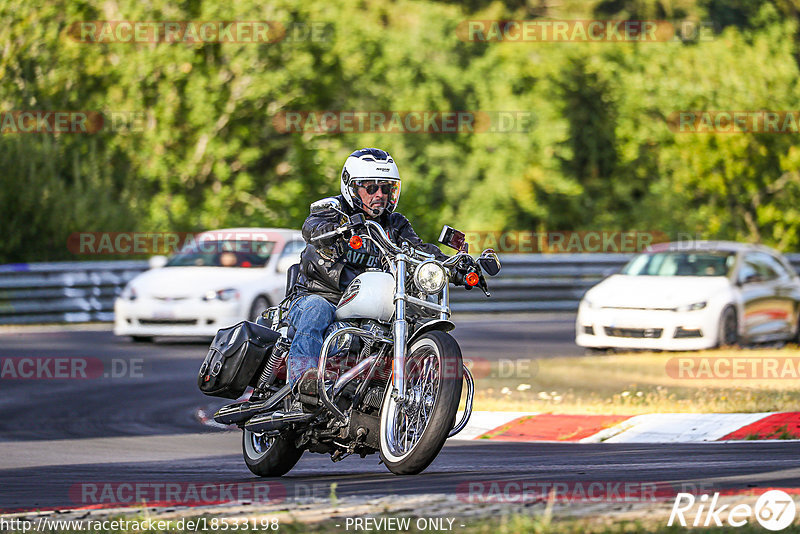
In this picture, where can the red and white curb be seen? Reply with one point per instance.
(648, 428)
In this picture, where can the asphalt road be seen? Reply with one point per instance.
(132, 420)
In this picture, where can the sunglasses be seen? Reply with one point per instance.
(373, 188)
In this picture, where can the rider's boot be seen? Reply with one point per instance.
(304, 392)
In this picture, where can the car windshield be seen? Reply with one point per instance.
(689, 263)
(223, 254)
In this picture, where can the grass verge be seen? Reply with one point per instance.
(644, 382)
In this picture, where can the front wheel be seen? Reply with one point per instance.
(413, 433)
(269, 456)
(728, 328)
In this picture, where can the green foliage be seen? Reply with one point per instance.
(598, 155)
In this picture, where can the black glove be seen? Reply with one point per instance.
(357, 223)
(460, 271)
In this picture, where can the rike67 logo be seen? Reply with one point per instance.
(774, 510)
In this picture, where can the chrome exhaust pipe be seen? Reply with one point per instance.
(276, 421)
(242, 411)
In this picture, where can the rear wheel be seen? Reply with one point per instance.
(728, 328)
(267, 456)
(142, 339)
(413, 433)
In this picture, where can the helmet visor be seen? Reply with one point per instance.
(377, 194)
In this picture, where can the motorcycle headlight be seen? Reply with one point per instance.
(222, 294)
(692, 307)
(430, 277)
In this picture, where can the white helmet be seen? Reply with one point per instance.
(370, 165)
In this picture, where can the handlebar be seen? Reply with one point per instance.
(381, 239)
(327, 235)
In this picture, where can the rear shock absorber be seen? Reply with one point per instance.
(279, 352)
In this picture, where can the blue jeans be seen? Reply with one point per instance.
(310, 315)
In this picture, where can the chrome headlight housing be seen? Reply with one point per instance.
(430, 277)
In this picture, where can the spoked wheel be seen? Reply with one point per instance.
(728, 328)
(269, 456)
(413, 433)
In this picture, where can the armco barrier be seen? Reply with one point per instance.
(539, 282)
(63, 292)
(69, 292)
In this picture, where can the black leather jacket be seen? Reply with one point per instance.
(327, 269)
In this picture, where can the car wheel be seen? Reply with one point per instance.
(596, 351)
(142, 339)
(728, 328)
(796, 337)
(259, 305)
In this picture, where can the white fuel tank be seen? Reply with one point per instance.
(369, 296)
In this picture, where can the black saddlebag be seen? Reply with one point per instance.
(235, 356)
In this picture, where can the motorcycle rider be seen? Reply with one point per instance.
(370, 184)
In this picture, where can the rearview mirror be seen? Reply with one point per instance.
(453, 239)
(753, 278)
(489, 262)
(157, 262)
(326, 204)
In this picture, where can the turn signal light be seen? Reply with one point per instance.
(356, 242)
(472, 279)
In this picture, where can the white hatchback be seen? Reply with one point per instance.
(680, 297)
(220, 278)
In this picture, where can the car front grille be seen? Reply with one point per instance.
(168, 322)
(650, 333)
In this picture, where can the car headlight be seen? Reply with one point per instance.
(430, 277)
(222, 294)
(128, 293)
(589, 304)
(692, 307)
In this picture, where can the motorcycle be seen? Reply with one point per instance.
(389, 377)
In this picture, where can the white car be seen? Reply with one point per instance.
(681, 297)
(218, 279)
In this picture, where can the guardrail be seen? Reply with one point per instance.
(63, 292)
(70, 292)
(539, 282)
